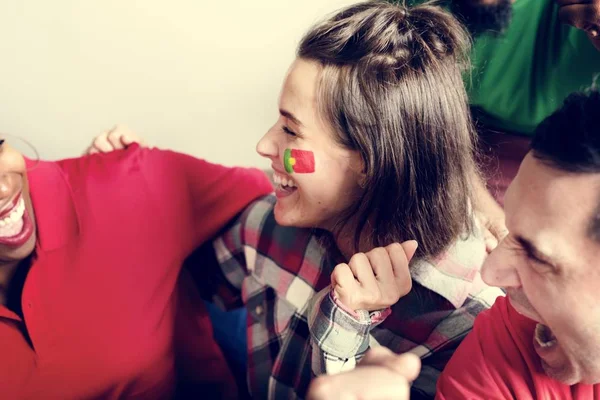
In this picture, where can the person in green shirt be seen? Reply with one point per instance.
(482, 16)
(527, 57)
(521, 76)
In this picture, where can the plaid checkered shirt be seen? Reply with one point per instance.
(297, 330)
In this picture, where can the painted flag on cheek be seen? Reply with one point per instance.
(299, 161)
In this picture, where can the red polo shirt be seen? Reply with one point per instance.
(100, 299)
(497, 361)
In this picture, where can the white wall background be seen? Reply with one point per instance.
(196, 76)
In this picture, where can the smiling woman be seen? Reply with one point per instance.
(17, 222)
(372, 148)
(369, 236)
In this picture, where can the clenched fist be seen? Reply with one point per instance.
(374, 280)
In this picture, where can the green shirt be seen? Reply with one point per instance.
(522, 76)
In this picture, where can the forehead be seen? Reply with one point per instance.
(551, 207)
(299, 89)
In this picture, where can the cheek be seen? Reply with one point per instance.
(298, 161)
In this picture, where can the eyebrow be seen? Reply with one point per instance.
(290, 116)
(534, 252)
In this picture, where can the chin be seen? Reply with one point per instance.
(568, 375)
(284, 218)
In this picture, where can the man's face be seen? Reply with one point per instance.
(481, 16)
(550, 266)
(582, 14)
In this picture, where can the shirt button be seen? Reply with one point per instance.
(258, 310)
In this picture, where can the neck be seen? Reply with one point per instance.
(346, 244)
(7, 272)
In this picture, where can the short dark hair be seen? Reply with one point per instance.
(391, 86)
(569, 140)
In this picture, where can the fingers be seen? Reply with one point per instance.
(400, 254)
(362, 270)
(372, 382)
(490, 241)
(493, 233)
(101, 144)
(114, 138)
(498, 228)
(117, 138)
(407, 365)
(344, 284)
(381, 264)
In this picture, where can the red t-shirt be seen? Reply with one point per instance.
(497, 361)
(103, 292)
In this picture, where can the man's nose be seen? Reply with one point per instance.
(499, 268)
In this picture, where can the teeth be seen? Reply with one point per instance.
(283, 180)
(15, 215)
(544, 336)
(12, 224)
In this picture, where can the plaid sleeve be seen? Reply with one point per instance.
(339, 336)
(219, 268)
(439, 347)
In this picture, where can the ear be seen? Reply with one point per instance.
(358, 165)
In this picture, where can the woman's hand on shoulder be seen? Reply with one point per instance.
(374, 280)
(117, 138)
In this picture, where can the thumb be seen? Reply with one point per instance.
(407, 365)
(410, 248)
(498, 229)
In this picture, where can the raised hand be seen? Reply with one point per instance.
(117, 138)
(374, 280)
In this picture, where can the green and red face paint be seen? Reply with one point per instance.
(298, 161)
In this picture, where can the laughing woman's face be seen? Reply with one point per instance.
(17, 222)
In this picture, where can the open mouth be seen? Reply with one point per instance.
(544, 336)
(12, 222)
(284, 185)
(16, 227)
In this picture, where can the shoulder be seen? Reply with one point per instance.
(494, 361)
(468, 373)
(261, 230)
(455, 274)
(113, 165)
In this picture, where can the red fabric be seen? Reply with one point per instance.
(102, 295)
(497, 361)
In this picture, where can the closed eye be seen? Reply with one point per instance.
(288, 131)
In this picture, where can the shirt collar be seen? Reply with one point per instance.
(55, 213)
(455, 275)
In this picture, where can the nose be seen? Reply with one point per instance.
(267, 145)
(499, 268)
